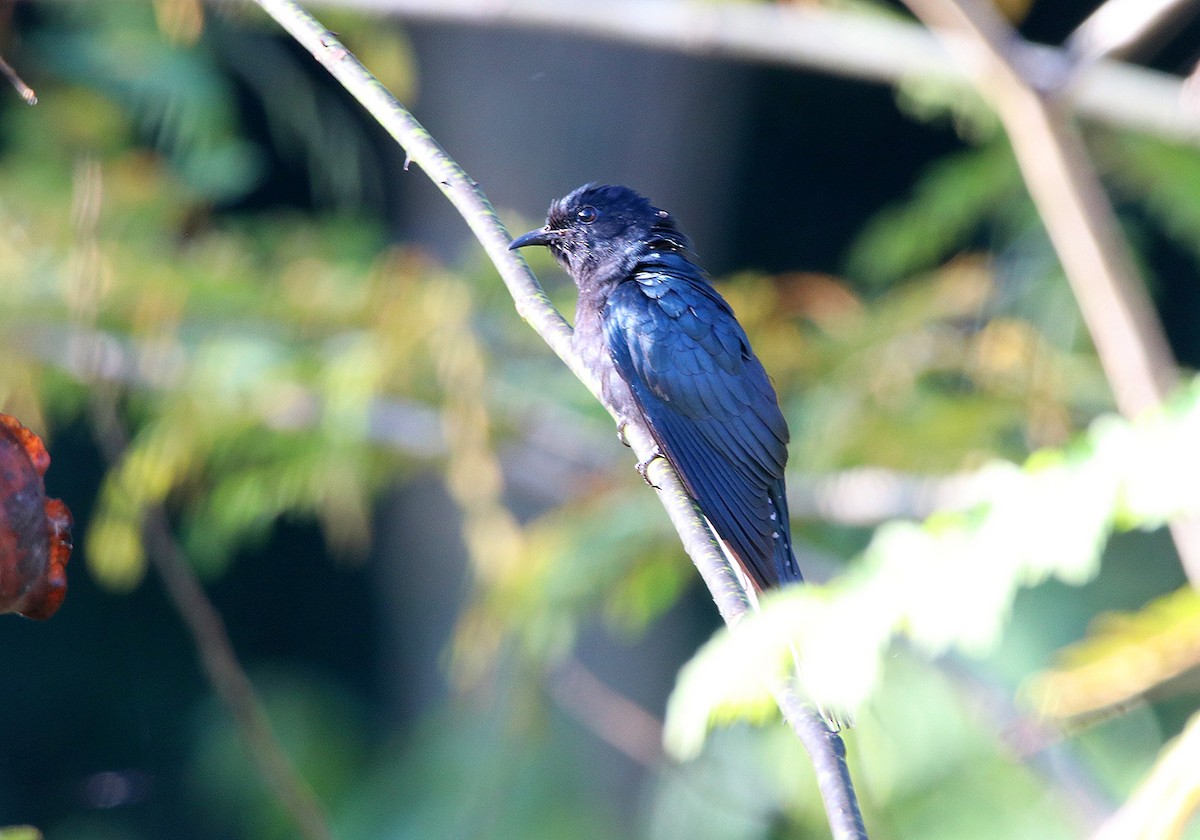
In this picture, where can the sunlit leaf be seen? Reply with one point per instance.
(20, 832)
(948, 583)
(1124, 656)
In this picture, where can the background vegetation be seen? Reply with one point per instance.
(225, 300)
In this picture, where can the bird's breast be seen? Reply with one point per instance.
(591, 344)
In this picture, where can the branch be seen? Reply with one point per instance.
(824, 747)
(212, 642)
(1078, 217)
(23, 90)
(608, 714)
(204, 623)
(1119, 27)
(811, 37)
(868, 496)
(1166, 800)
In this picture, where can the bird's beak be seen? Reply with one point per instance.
(541, 236)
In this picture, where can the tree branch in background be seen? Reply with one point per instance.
(812, 37)
(609, 715)
(203, 622)
(824, 747)
(1121, 27)
(860, 496)
(1163, 804)
(212, 643)
(23, 90)
(1078, 217)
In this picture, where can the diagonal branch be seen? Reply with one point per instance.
(1165, 802)
(1078, 217)
(824, 747)
(23, 90)
(212, 642)
(1119, 27)
(202, 620)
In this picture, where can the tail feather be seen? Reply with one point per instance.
(837, 719)
(786, 567)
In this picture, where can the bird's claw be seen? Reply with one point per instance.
(643, 466)
(621, 433)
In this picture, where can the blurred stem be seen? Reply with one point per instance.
(23, 90)
(810, 36)
(1077, 214)
(1122, 26)
(1166, 799)
(609, 715)
(824, 747)
(212, 642)
(186, 594)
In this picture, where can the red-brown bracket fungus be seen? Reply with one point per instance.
(35, 532)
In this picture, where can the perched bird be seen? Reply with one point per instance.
(667, 349)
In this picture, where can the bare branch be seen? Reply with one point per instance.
(86, 346)
(1072, 203)
(555, 458)
(610, 715)
(824, 747)
(22, 89)
(1166, 799)
(1120, 27)
(1079, 219)
(870, 495)
(212, 643)
(813, 37)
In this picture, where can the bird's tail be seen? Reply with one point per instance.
(786, 567)
(837, 719)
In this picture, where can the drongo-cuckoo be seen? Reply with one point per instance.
(667, 349)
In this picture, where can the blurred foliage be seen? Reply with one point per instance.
(20, 832)
(1122, 474)
(1167, 801)
(1124, 656)
(281, 366)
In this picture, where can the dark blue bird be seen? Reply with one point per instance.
(667, 348)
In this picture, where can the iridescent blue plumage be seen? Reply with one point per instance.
(667, 347)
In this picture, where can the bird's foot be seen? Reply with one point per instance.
(643, 466)
(621, 433)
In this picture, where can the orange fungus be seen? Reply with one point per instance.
(35, 532)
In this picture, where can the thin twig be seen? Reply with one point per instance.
(810, 36)
(212, 643)
(1166, 800)
(828, 753)
(24, 90)
(1120, 27)
(1079, 219)
(825, 748)
(84, 345)
(610, 715)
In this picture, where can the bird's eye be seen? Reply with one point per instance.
(587, 215)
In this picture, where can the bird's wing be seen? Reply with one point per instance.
(709, 404)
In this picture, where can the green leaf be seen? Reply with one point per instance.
(954, 198)
(949, 583)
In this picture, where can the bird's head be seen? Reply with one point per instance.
(599, 233)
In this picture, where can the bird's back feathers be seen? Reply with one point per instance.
(709, 404)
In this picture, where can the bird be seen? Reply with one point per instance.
(667, 349)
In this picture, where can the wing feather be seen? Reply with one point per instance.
(710, 405)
